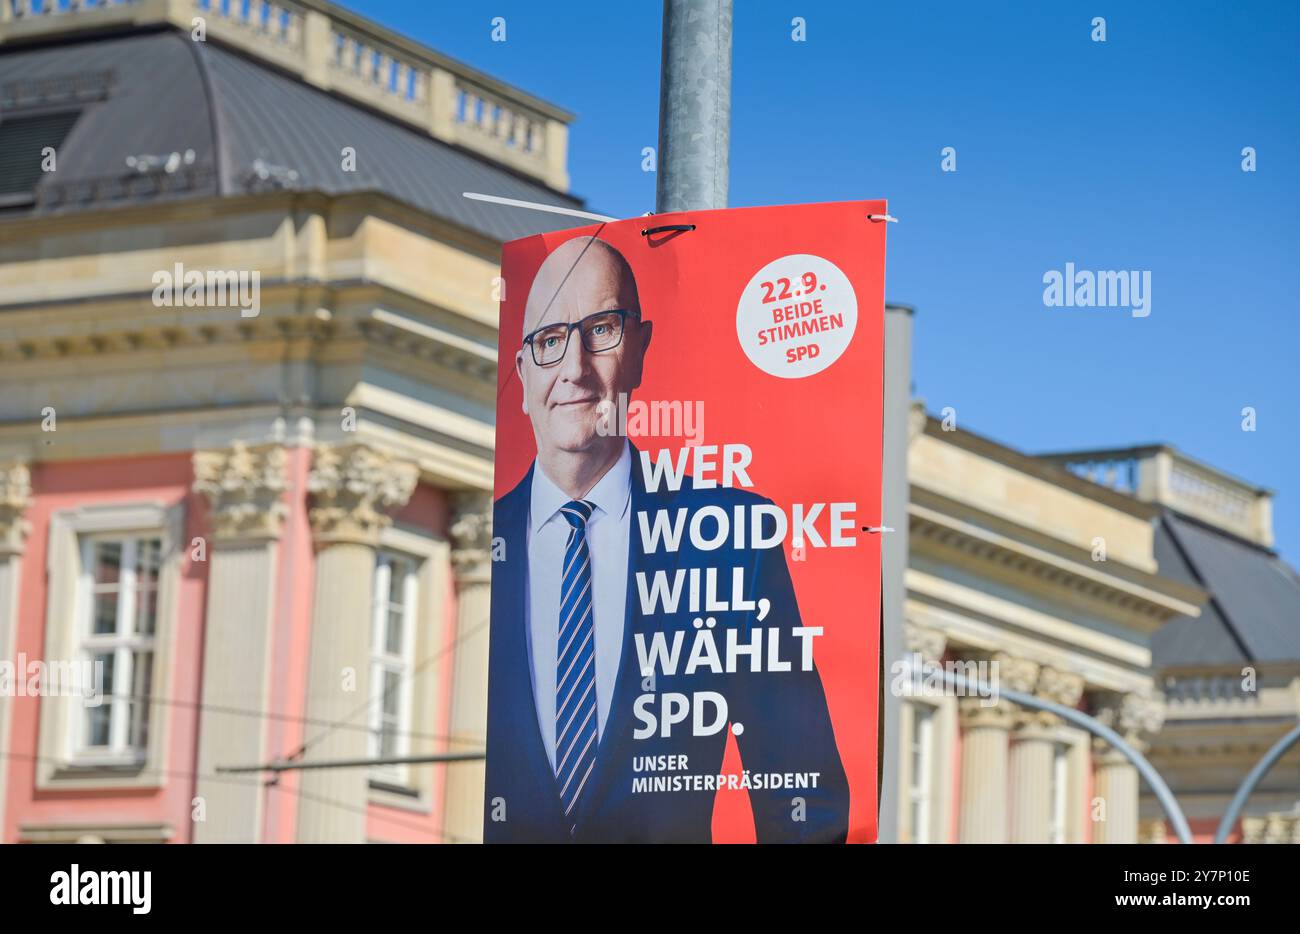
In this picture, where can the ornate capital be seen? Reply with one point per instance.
(1059, 687)
(977, 713)
(928, 643)
(244, 487)
(471, 533)
(1252, 829)
(353, 488)
(1153, 830)
(1135, 717)
(1018, 674)
(15, 497)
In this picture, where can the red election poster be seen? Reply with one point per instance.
(685, 597)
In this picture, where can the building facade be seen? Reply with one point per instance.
(1230, 677)
(247, 385)
(1137, 585)
(1028, 577)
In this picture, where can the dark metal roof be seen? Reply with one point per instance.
(159, 93)
(1253, 614)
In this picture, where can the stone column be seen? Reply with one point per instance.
(1030, 785)
(471, 559)
(982, 817)
(244, 487)
(1032, 753)
(15, 497)
(1135, 717)
(354, 487)
(1024, 792)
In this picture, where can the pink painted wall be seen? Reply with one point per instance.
(168, 479)
(165, 479)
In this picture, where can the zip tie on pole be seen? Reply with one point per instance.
(889, 218)
(535, 206)
(874, 529)
(678, 228)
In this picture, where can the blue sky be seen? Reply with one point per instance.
(1117, 155)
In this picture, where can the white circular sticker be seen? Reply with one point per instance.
(796, 316)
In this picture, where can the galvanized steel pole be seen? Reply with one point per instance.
(895, 494)
(694, 106)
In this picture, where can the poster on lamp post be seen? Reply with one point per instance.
(686, 571)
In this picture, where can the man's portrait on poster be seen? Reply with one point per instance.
(607, 719)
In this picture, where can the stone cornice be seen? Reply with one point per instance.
(977, 621)
(15, 497)
(1138, 596)
(354, 489)
(244, 487)
(123, 323)
(1243, 747)
(369, 202)
(445, 459)
(1233, 670)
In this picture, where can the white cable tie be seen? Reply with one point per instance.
(873, 529)
(889, 218)
(535, 206)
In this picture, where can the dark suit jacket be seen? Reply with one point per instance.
(787, 726)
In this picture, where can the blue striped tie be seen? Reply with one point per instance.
(575, 672)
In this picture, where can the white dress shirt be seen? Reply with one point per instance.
(607, 540)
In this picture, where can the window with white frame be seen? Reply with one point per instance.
(117, 628)
(921, 772)
(1058, 830)
(392, 652)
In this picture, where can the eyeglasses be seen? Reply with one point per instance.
(600, 332)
